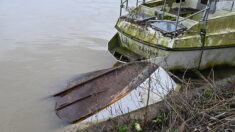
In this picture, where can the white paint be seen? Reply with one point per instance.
(225, 5)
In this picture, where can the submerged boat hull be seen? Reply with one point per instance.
(172, 59)
(97, 90)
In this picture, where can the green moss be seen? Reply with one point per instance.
(154, 3)
(177, 68)
(142, 33)
(167, 17)
(213, 63)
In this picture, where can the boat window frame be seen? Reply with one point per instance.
(204, 2)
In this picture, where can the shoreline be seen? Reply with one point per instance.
(152, 110)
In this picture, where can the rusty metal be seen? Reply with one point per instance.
(97, 90)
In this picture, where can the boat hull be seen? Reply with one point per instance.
(94, 91)
(172, 59)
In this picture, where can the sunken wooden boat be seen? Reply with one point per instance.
(97, 90)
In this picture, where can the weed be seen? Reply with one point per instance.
(161, 117)
(208, 93)
(175, 130)
(123, 128)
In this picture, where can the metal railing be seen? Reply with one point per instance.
(125, 4)
(122, 5)
(179, 20)
(232, 6)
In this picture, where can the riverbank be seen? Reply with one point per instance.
(210, 107)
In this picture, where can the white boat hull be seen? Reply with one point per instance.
(191, 59)
(175, 59)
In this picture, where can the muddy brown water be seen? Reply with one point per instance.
(44, 43)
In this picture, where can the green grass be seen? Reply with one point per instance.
(123, 128)
(161, 117)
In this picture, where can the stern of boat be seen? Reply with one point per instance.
(121, 53)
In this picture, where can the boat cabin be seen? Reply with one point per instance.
(168, 16)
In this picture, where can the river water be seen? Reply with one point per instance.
(44, 43)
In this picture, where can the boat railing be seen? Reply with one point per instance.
(232, 6)
(223, 4)
(209, 8)
(180, 19)
(125, 4)
(194, 14)
(204, 18)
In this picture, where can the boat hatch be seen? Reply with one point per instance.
(168, 28)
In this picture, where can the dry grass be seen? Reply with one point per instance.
(210, 108)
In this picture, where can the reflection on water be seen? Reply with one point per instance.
(42, 44)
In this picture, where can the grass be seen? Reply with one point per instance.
(122, 128)
(161, 117)
(133, 126)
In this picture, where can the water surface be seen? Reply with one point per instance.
(44, 43)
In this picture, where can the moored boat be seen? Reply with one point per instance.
(177, 34)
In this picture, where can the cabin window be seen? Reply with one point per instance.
(178, 1)
(204, 2)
